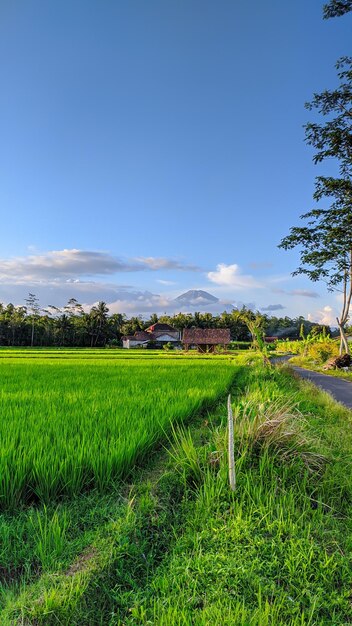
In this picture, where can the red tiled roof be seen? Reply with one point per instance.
(141, 335)
(138, 336)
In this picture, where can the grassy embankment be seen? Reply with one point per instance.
(313, 353)
(175, 547)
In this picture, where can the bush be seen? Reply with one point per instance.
(294, 347)
(271, 347)
(323, 350)
(114, 343)
(240, 345)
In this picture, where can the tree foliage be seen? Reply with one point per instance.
(333, 137)
(326, 251)
(326, 244)
(256, 326)
(336, 8)
(325, 241)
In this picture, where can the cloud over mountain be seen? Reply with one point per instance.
(190, 301)
(196, 297)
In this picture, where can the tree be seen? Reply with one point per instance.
(326, 239)
(74, 310)
(63, 326)
(73, 307)
(336, 8)
(255, 324)
(333, 138)
(32, 303)
(132, 325)
(233, 321)
(152, 320)
(116, 322)
(16, 319)
(326, 253)
(182, 320)
(99, 314)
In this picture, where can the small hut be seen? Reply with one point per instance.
(206, 339)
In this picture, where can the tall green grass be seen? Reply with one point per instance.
(67, 426)
(277, 551)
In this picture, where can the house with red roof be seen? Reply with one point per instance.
(158, 335)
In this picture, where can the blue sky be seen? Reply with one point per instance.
(148, 148)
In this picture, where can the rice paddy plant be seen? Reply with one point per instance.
(72, 424)
(186, 456)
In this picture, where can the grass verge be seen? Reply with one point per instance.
(311, 364)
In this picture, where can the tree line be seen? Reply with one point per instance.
(73, 326)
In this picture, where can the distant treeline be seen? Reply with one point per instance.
(72, 326)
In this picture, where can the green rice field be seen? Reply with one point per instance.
(116, 507)
(72, 420)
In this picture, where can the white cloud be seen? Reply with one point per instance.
(73, 263)
(140, 302)
(230, 276)
(59, 292)
(305, 293)
(165, 282)
(273, 307)
(155, 263)
(62, 264)
(324, 316)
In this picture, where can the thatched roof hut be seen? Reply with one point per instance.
(205, 339)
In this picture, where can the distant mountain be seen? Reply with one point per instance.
(195, 297)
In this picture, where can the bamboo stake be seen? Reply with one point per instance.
(232, 475)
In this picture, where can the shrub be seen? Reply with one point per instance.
(294, 347)
(240, 345)
(323, 350)
(277, 425)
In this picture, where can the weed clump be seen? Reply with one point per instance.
(278, 426)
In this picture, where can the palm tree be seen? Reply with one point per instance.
(32, 303)
(63, 325)
(99, 314)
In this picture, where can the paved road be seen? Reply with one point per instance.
(339, 388)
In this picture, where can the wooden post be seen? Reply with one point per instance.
(232, 475)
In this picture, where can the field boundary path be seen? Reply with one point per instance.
(338, 388)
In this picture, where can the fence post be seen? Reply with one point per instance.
(231, 453)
